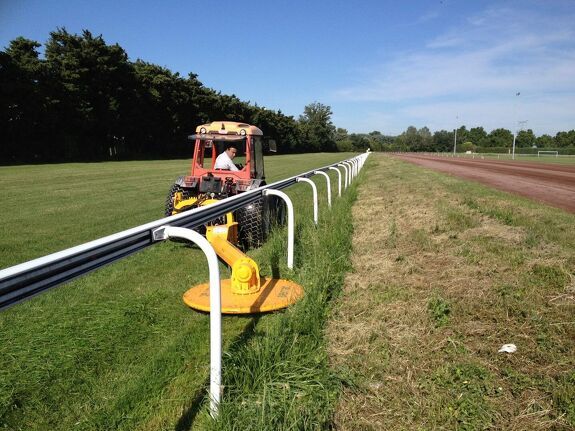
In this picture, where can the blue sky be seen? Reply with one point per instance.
(380, 65)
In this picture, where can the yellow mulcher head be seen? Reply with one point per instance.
(245, 292)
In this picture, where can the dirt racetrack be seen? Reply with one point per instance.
(553, 184)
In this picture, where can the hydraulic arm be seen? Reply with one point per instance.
(246, 291)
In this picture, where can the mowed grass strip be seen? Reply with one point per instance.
(117, 349)
(446, 271)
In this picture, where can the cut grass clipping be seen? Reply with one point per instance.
(446, 271)
(118, 349)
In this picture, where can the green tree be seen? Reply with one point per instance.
(342, 140)
(22, 100)
(317, 129)
(95, 80)
(525, 139)
(468, 146)
(462, 135)
(409, 140)
(545, 141)
(477, 135)
(443, 141)
(360, 142)
(500, 138)
(426, 141)
(565, 139)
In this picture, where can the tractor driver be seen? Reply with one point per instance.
(225, 159)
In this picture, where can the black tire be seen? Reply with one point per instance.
(257, 220)
(275, 212)
(251, 230)
(169, 208)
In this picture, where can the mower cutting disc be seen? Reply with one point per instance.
(274, 294)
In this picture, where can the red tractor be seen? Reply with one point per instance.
(205, 184)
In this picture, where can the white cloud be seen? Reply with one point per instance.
(476, 73)
(428, 17)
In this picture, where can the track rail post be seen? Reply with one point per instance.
(354, 164)
(338, 179)
(290, 221)
(328, 185)
(345, 168)
(314, 190)
(166, 232)
(349, 166)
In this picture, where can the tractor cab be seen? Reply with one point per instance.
(205, 182)
(211, 140)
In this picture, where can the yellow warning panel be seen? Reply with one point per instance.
(274, 294)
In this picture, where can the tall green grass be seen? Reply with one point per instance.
(117, 349)
(279, 379)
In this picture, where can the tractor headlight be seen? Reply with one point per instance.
(203, 130)
(243, 132)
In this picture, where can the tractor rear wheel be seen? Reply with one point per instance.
(275, 213)
(257, 220)
(251, 230)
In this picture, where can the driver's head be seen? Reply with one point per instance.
(231, 150)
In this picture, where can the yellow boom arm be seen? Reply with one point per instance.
(245, 272)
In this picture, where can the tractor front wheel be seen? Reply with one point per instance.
(172, 193)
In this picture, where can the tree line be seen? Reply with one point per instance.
(475, 139)
(84, 100)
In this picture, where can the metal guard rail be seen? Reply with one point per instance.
(23, 281)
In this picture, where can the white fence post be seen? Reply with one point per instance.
(166, 232)
(314, 189)
(354, 162)
(328, 186)
(338, 179)
(348, 164)
(346, 174)
(290, 221)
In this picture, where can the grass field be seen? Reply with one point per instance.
(446, 271)
(405, 336)
(118, 350)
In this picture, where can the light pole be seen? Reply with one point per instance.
(455, 138)
(515, 133)
(455, 143)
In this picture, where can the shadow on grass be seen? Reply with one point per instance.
(202, 394)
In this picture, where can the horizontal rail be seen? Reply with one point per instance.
(23, 281)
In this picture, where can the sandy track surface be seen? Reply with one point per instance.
(544, 182)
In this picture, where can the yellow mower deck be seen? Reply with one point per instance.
(245, 292)
(273, 295)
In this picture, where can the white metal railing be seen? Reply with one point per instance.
(22, 281)
(328, 185)
(290, 223)
(346, 173)
(314, 190)
(166, 232)
(338, 179)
